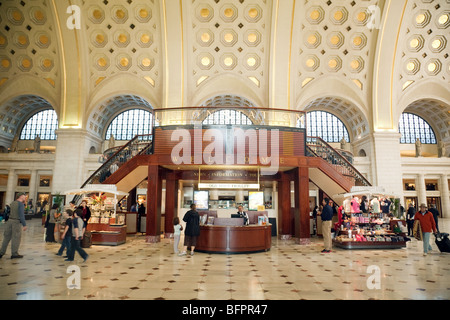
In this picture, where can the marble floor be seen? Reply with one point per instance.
(138, 270)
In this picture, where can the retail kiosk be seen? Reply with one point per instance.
(374, 228)
(106, 225)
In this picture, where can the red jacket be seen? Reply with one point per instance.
(426, 221)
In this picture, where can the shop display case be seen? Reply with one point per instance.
(369, 230)
(107, 227)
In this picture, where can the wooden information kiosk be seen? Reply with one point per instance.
(234, 239)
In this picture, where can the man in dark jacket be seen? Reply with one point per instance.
(435, 213)
(410, 218)
(326, 215)
(192, 231)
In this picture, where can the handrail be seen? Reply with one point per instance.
(320, 148)
(140, 144)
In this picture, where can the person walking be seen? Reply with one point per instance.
(50, 224)
(435, 213)
(77, 235)
(67, 235)
(410, 219)
(14, 227)
(192, 219)
(326, 214)
(177, 227)
(427, 225)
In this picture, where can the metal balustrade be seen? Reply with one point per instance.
(317, 147)
(139, 145)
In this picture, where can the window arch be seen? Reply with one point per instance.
(227, 117)
(44, 123)
(413, 127)
(130, 123)
(326, 126)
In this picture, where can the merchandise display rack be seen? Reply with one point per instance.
(106, 225)
(369, 230)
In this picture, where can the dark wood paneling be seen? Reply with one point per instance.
(229, 239)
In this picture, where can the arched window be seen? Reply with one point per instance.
(227, 117)
(130, 123)
(413, 127)
(44, 123)
(327, 126)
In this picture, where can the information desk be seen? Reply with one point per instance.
(234, 239)
(107, 234)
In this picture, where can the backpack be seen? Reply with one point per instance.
(79, 223)
(6, 212)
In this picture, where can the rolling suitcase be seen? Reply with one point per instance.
(443, 242)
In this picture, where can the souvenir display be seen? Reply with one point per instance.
(370, 229)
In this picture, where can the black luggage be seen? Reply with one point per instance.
(443, 242)
(86, 242)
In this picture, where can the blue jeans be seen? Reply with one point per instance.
(426, 241)
(65, 245)
(75, 245)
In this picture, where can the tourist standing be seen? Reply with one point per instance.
(192, 219)
(50, 224)
(326, 214)
(14, 227)
(86, 212)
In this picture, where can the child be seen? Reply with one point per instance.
(67, 235)
(177, 233)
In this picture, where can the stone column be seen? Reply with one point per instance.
(10, 187)
(445, 196)
(72, 147)
(386, 162)
(421, 189)
(33, 187)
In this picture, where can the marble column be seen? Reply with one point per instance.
(445, 196)
(421, 189)
(10, 186)
(33, 186)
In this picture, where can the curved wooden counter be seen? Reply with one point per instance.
(232, 239)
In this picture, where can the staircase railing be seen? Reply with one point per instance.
(139, 145)
(317, 147)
